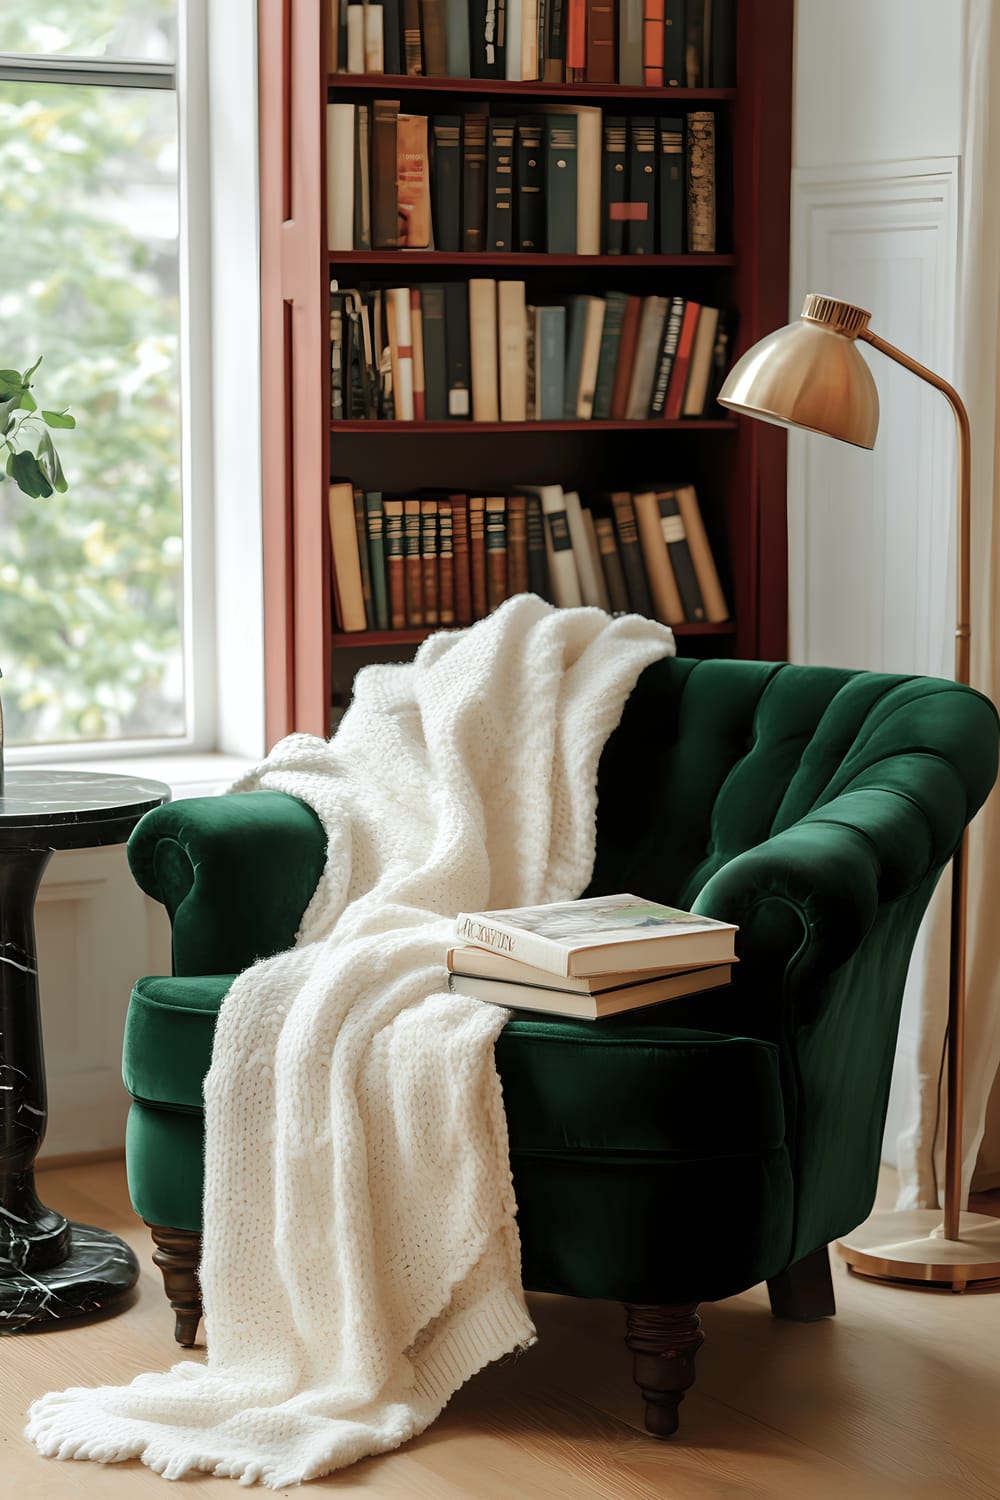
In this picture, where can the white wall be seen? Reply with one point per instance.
(878, 118)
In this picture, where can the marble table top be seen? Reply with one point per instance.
(88, 807)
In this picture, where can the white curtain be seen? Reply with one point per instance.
(921, 1143)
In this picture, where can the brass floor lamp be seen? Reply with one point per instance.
(811, 375)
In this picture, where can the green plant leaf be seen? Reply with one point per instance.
(58, 419)
(28, 402)
(48, 460)
(10, 381)
(7, 409)
(28, 475)
(28, 373)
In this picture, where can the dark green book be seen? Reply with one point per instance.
(607, 361)
(446, 181)
(560, 184)
(674, 69)
(529, 179)
(361, 530)
(641, 237)
(550, 363)
(474, 178)
(376, 558)
(614, 180)
(538, 566)
(456, 338)
(500, 186)
(435, 353)
(675, 536)
(665, 359)
(670, 188)
(576, 328)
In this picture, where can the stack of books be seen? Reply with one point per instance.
(590, 958)
(432, 560)
(565, 180)
(657, 43)
(485, 351)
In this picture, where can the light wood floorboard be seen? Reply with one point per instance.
(897, 1398)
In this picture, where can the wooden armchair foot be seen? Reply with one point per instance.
(177, 1254)
(804, 1291)
(664, 1341)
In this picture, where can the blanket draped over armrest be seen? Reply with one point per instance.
(361, 1257)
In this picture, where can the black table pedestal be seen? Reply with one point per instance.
(50, 1269)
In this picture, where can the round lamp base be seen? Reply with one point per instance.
(911, 1247)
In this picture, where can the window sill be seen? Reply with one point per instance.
(187, 775)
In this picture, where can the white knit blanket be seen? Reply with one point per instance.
(361, 1256)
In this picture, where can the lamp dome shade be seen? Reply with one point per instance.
(807, 375)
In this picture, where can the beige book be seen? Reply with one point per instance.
(667, 605)
(529, 39)
(413, 188)
(356, 38)
(588, 568)
(593, 328)
(603, 599)
(483, 343)
(716, 608)
(513, 342)
(374, 39)
(397, 301)
(349, 595)
(700, 367)
(563, 575)
(589, 152)
(340, 176)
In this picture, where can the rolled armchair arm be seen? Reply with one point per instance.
(235, 873)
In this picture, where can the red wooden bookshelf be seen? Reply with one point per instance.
(737, 466)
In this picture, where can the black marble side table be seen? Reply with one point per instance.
(50, 1269)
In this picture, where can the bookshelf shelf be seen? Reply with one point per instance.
(413, 429)
(363, 638)
(488, 88)
(737, 468)
(399, 260)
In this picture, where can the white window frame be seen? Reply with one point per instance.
(215, 80)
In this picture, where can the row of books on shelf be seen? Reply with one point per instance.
(567, 180)
(594, 957)
(432, 560)
(656, 43)
(480, 350)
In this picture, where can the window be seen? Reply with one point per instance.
(95, 607)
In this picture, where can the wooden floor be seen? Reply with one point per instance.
(897, 1398)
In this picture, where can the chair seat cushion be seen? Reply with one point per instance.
(634, 1086)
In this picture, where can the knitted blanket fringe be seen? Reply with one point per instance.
(361, 1255)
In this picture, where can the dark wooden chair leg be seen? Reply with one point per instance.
(804, 1292)
(664, 1340)
(177, 1254)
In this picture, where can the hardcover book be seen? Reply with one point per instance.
(394, 562)
(530, 181)
(593, 1004)
(477, 555)
(429, 561)
(413, 195)
(412, 571)
(701, 182)
(560, 184)
(446, 181)
(601, 934)
(500, 186)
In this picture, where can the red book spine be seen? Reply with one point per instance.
(679, 373)
(652, 43)
(460, 555)
(601, 36)
(576, 36)
(626, 355)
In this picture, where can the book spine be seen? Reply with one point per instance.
(496, 551)
(342, 35)
(433, 30)
(631, 554)
(716, 609)
(550, 363)
(429, 561)
(349, 599)
(611, 563)
(654, 314)
(667, 354)
(682, 359)
(723, 67)
(456, 41)
(641, 217)
(576, 40)
(517, 544)
(456, 334)
(555, 41)
(394, 562)
(512, 41)
(392, 36)
(417, 338)
(700, 368)
(576, 332)
(614, 313)
(667, 606)
(652, 43)
(477, 556)
(374, 37)
(513, 351)
(694, 44)
(525, 947)
(376, 558)
(560, 184)
(340, 176)
(413, 195)
(603, 598)
(630, 38)
(675, 536)
(593, 329)
(529, 40)
(446, 564)
(362, 186)
(721, 354)
(483, 344)
(488, 38)
(600, 29)
(673, 43)
(337, 358)
(412, 571)
(384, 213)
(671, 185)
(614, 180)
(591, 590)
(361, 533)
(530, 181)
(701, 182)
(500, 186)
(538, 570)
(626, 358)
(435, 358)
(446, 181)
(473, 180)
(356, 38)
(563, 575)
(461, 561)
(531, 314)
(413, 55)
(398, 299)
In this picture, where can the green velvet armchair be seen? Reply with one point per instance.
(688, 1151)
